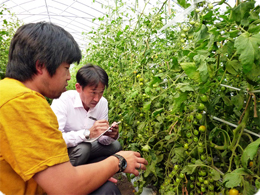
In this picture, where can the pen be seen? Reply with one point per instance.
(92, 118)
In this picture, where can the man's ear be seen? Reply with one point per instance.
(78, 87)
(39, 67)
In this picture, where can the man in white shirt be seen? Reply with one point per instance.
(83, 114)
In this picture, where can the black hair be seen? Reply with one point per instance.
(91, 75)
(44, 43)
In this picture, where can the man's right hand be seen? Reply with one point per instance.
(99, 127)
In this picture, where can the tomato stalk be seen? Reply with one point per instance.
(237, 135)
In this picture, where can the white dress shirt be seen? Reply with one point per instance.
(73, 119)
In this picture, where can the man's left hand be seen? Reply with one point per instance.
(114, 131)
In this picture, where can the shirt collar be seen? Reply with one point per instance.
(78, 102)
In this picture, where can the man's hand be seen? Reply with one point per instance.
(135, 162)
(113, 132)
(99, 127)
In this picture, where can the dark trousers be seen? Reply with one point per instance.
(85, 153)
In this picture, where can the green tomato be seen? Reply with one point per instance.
(192, 178)
(203, 189)
(181, 175)
(188, 135)
(192, 22)
(200, 149)
(178, 180)
(201, 180)
(195, 139)
(186, 146)
(201, 106)
(176, 167)
(183, 35)
(204, 98)
(210, 6)
(199, 116)
(196, 132)
(197, 10)
(203, 157)
(206, 182)
(191, 186)
(211, 187)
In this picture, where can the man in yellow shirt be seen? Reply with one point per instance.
(33, 154)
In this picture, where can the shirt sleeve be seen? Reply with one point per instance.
(30, 136)
(60, 108)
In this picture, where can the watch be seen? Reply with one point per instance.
(122, 162)
(86, 133)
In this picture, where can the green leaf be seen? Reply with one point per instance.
(248, 48)
(157, 111)
(183, 3)
(233, 66)
(189, 169)
(254, 73)
(234, 178)
(254, 27)
(147, 106)
(248, 189)
(257, 184)
(191, 70)
(238, 101)
(250, 152)
(179, 155)
(215, 174)
(241, 11)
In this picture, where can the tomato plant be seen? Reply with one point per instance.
(190, 94)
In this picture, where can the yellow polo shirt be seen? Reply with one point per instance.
(29, 138)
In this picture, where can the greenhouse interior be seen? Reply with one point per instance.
(184, 83)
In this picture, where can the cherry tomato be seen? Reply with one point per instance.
(199, 116)
(210, 6)
(200, 149)
(233, 192)
(211, 187)
(206, 182)
(201, 106)
(204, 98)
(192, 178)
(202, 128)
(176, 167)
(181, 175)
(188, 135)
(195, 139)
(195, 132)
(201, 180)
(251, 164)
(186, 146)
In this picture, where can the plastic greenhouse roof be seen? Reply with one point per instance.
(75, 16)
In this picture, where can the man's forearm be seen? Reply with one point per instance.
(66, 179)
